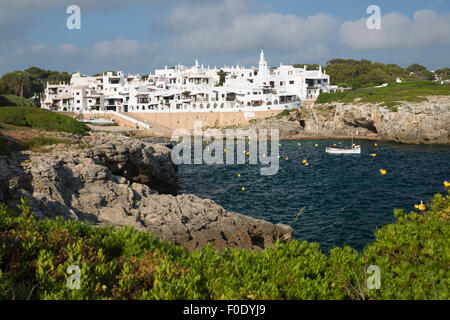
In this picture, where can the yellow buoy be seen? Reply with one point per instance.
(225, 150)
(383, 171)
(446, 184)
(375, 144)
(299, 144)
(207, 142)
(278, 157)
(239, 175)
(279, 144)
(287, 158)
(248, 153)
(264, 155)
(335, 144)
(316, 145)
(243, 189)
(307, 164)
(421, 206)
(373, 154)
(304, 161)
(208, 149)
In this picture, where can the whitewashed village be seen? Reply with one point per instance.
(190, 89)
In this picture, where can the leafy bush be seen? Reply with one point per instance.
(122, 263)
(41, 119)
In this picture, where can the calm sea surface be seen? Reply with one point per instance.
(345, 198)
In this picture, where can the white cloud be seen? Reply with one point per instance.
(117, 54)
(235, 26)
(427, 28)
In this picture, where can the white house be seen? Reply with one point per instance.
(190, 89)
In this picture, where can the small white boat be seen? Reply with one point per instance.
(353, 150)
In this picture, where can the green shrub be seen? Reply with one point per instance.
(41, 119)
(122, 263)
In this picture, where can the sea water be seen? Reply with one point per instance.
(344, 198)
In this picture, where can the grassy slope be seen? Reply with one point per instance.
(389, 96)
(413, 255)
(13, 100)
(41, 119)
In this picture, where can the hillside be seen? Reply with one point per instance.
(391, 95)
(13, 100)
(41, 119)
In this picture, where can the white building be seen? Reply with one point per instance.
(190, 89)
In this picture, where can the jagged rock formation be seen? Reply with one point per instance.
(424, 122)
(110, 179)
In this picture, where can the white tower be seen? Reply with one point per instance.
(263, 70)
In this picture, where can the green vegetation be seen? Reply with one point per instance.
(44, 141)
(122, 263)
(30, 81)
(41, 119)
(221, 75)
(7, 146)
(392, 95)
(444, 73)
(365, 73)
(13, 100)
(284, 113)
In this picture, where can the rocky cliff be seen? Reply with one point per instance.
(424, 122)
(114, 180)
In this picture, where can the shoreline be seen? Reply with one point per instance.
(144, 134)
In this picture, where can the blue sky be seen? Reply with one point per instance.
(140, 35)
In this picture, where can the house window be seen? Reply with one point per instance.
(78, 93)
(78, 101)
(291, 82)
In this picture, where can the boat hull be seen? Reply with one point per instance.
(356, 150)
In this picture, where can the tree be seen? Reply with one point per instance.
(3, 87)
(59, 77)
(17, 82)
(415, 68)
(221, 74)
(22, 84)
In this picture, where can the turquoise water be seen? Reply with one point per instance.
(345, 198)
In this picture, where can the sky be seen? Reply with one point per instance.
(138, 36)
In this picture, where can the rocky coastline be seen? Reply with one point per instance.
(425, 122)
(111, 179)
